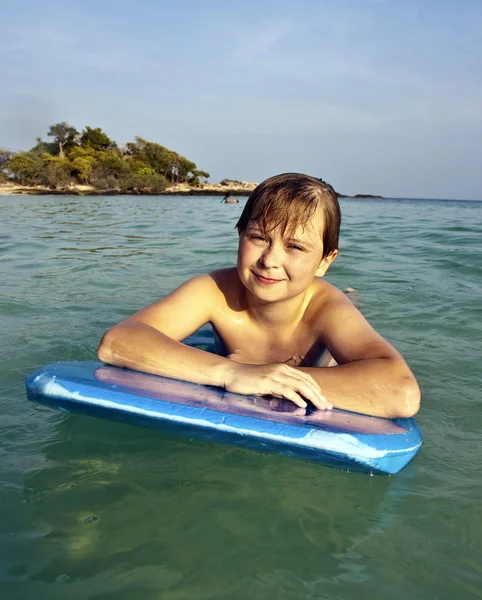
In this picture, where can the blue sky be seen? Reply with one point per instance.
(375, 96)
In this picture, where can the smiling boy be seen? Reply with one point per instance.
(274, 316)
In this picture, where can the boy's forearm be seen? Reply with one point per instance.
(379, 387)
(382, 387)
(142, 348)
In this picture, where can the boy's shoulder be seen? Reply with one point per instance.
(223, 279)
(226, 275)
(220, 284)
(325, 302)
(325, 294)
(218, 278)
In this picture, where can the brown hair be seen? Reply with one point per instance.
(290, 200)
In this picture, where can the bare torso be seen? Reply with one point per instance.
(239, 335)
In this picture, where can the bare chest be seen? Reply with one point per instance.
(254, 344)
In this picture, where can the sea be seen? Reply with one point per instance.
(98, 510)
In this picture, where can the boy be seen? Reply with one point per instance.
(274, 315)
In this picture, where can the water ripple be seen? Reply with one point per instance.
(112, 510)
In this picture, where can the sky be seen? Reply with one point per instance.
(374, 96)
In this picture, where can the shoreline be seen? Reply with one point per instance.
(242, 189)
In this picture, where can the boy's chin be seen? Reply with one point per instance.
(268, 295)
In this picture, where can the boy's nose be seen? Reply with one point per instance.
(271, 257)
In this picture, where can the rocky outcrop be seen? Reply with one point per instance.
(236, 188)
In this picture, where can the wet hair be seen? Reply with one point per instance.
(290, 200)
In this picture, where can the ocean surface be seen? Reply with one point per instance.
(91, 509)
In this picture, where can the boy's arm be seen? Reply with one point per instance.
(371, 376)
(149, 341)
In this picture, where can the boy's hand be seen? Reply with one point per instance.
(279, 380)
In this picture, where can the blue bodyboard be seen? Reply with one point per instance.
(336, 438)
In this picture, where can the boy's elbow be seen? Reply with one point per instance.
(408, 402)
(104, 351)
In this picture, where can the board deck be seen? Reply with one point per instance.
(337, 438)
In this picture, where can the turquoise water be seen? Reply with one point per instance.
(99, 510)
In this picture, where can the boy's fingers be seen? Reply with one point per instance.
(310, 389)
(299, 394)
(295, 387)
(280, 381)
(316, 398)
(290, 394)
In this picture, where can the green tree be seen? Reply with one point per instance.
(26, 167)
(164, 161)
(82, 161)
(108, 170)
(96, 139)
(94, 158)
(55, 172)
(64, 135)
(143, 182)
(201, 174)
(138, 167)
(42, 147)
(158, 157)
(32, 168)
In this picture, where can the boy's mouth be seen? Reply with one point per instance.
(266, 280)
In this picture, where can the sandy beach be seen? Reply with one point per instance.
(240, 188)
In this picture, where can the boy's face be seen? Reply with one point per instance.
(273, 266)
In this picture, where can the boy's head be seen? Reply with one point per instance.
(290, 200)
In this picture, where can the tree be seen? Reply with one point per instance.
(42, 147)
(63, 135)
(194, 178)
(56, 171)
(144, 180)
(96, 139)
(93, 158)
(156, 156)
(26, 167)
(164, 161)
(202, 174)
(82, 161)
(108, 170)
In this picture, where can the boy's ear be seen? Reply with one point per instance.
(325, 263)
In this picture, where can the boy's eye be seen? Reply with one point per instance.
(295, 247)
(256, 236)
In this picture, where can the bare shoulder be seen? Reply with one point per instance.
(343, 328)
(325, 301)
(225, 277)
(228, 285)
(186, 308)
(199, 288)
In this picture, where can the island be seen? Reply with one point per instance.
(89, 162)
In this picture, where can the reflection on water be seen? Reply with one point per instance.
(166, 504)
